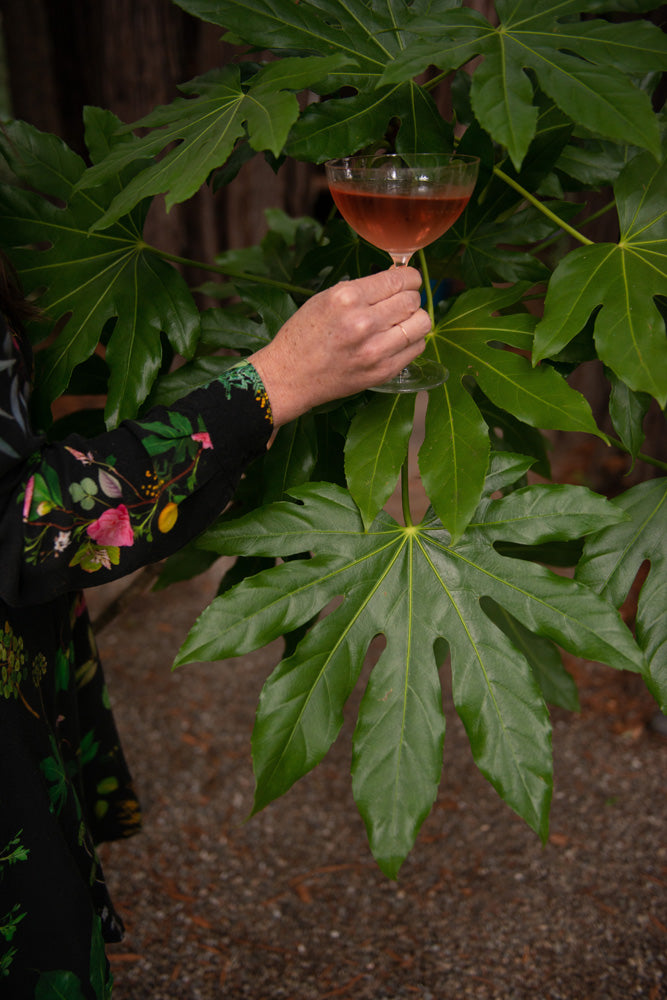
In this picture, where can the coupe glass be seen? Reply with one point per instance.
(401, 203)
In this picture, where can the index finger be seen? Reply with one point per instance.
(384, 284)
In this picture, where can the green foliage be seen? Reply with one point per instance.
(560, 104)
(582, 65)
(613, 557)
(413, 586)
(623, 278)
(89, 280)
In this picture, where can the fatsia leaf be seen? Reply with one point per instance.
(291, 458)
(90, 280)
(584, 66)
(505, 468)
(623, 278)
(495, 250)
(205, 125)
(593, 162)
(58, 986)
(375, 449)
(497, 230)
(415, 587)
(370, 34)
(556, 684)
(627, 410)
(340, 126)
(339, 44)
(610, 563)
(471, 342)
(502, 99)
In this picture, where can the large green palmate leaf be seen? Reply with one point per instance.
(623, 278)
(376, 448)
(369, 33)
(415, 587)
(90, 280)
(471, 342)
(584, 66)
(342, 126)
(205, 126)
(610, 563)
(340, 44)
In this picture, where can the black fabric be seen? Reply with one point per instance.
(73, 515)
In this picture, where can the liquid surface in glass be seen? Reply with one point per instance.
(398, 222)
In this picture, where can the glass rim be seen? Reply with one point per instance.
(365, 160)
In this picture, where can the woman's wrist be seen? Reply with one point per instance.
(286, 399)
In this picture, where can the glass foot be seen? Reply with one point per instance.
(419, 374)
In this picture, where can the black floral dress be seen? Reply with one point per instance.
(71, 515)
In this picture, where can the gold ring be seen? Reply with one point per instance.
(402, 328)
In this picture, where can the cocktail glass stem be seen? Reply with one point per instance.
(401, 260)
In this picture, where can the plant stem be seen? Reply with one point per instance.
(640, 456)
(589, 218)
(228, 272)
(405, 492)
(427, 287)
(542, 207)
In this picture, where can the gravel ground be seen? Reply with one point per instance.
(290, 904)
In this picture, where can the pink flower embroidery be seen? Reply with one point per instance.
(112, 527)
(27, 500)
(79, 455)
(204, 439)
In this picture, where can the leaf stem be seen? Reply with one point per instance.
(640, 456)
(427, 287)
(405, 468)
(542, 207)
(589, 218)
(228, 272)
(405, 492)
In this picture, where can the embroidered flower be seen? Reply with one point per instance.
(204, 439)
(39, 665)
(100, 557)
(112, 527)
(61, 541)
(27, 500)
(79, 455)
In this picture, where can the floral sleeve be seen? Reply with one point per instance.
(84, 511)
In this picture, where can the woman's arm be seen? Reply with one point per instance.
(82, 512)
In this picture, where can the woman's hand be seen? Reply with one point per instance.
(347, 338)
